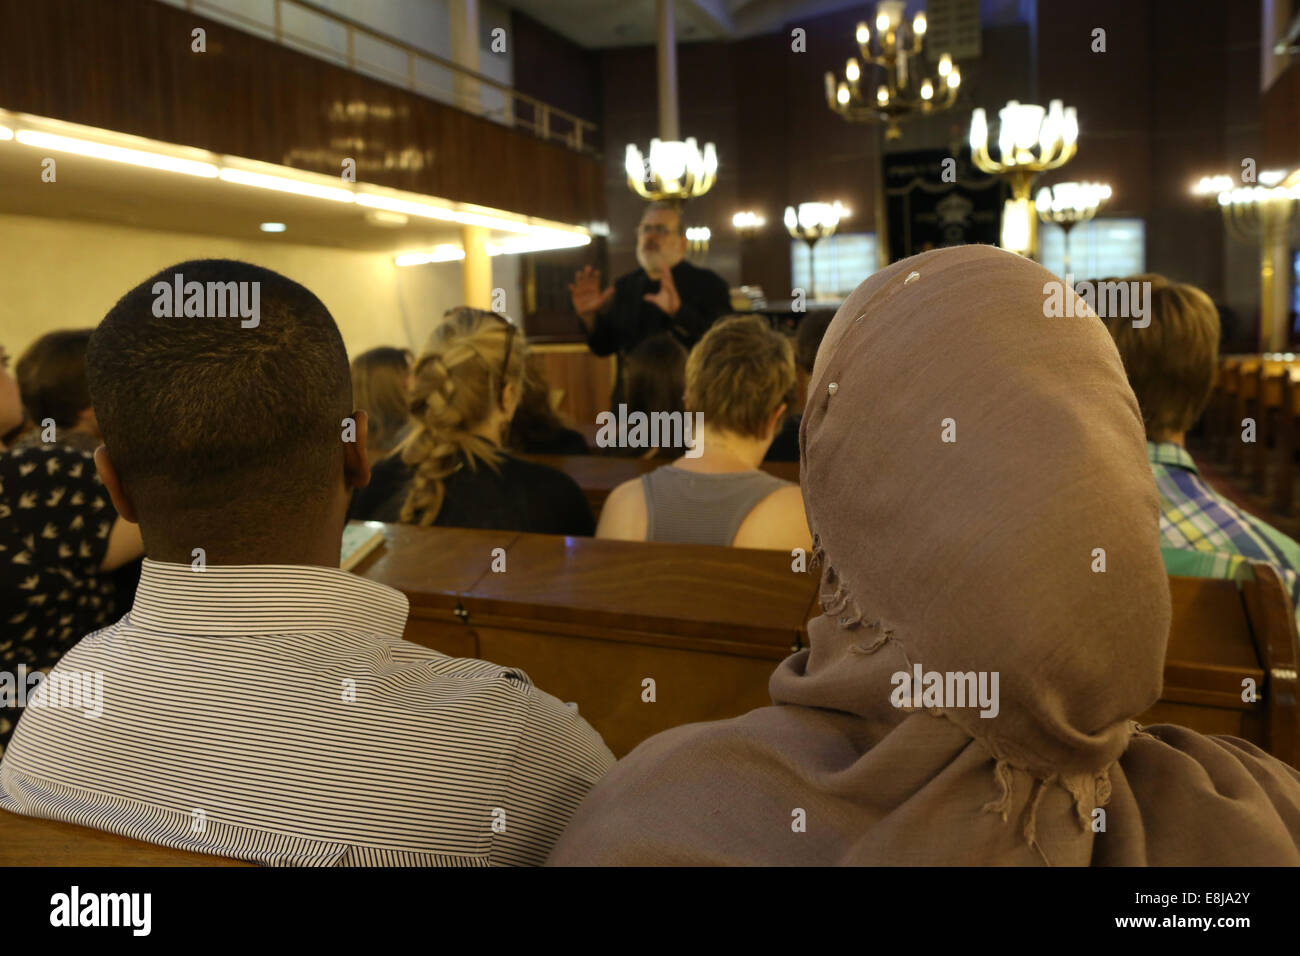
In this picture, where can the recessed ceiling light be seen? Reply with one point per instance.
(385, 219)
(272, 227)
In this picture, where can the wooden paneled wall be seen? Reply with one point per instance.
(127, 65)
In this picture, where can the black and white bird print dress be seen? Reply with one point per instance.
(55, 519)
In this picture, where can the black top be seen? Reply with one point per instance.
(521, 496)
(55, 519)
(785, 446)
(553, 441)
(630, 319)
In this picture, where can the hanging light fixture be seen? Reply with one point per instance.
(675, 169)
(1264, 214)
(1069, 204)
(1031, 140)
(814, 221)
(896, 61)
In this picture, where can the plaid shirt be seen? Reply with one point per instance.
(1204, 534)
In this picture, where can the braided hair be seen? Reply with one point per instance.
(458, 382)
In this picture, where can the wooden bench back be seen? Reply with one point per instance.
(1223, 634)
(29, 841)
(592, 621)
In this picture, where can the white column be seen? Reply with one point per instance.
(465, 51)
(476, 269)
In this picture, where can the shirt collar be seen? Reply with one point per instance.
(264, 599)
(1167, 453)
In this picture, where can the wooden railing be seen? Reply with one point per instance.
(519, 110)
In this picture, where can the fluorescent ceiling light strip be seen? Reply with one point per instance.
(444, 253)
(537, 243)
(117, 154)
(443, 213)
(405, 206)
(285, 185)
(492, 222)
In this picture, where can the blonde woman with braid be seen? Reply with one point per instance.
(452, 470)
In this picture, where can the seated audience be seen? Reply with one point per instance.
(654, 381)
(1170, 365)
(537, 428)
(452, 470)
(52, 381)
(60, 539)
(785, 446)
(381, 379)
(254, 685)
(958, 507)
(739, 379)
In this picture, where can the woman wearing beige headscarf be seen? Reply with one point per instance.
(963, 458)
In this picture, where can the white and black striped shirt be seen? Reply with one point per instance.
(274, 714)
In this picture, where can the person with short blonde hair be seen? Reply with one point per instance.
(452, 470)
(1170, 365)
(740, 379)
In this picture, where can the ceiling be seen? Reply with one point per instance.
(597, 24)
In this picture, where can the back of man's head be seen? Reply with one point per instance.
(1170, 362)
(216, 423)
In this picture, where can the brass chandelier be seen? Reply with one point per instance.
(900, 89)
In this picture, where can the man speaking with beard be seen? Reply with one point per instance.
(667, 294)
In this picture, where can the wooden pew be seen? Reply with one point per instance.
(1285, 451)
(590, 620)
(28, 841)
(1222, 633)
(1223, 405)
(1245, 404)
(598, 475)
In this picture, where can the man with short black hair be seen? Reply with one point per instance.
(667, 294)
(260, 703)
